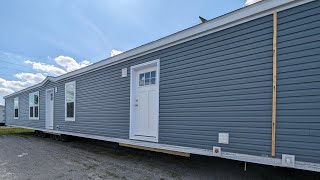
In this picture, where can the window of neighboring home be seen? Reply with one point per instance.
(16, 107)
(34, 105)
(70, 101)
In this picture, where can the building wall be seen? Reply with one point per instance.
(221, 82)
(298, 117)
(2, 114)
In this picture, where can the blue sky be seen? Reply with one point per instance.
(42, 37)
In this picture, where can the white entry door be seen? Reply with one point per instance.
(49, 108)
(144, 119)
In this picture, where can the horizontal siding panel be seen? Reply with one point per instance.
(223, 57)
(299, 10)
(299, 36)
(299, 53)
(298, 125)
(231, 33)
(304, 21)
(302, 47)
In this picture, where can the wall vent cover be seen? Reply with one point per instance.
(288, 160)
(224, 138)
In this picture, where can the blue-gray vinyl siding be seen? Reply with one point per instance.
(221, 82)
(298, 100)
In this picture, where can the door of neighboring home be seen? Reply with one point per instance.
(49, 108)
(144, 100)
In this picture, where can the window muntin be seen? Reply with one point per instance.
(70, 96)
(148, 78)
(16, 107)
(34, 105)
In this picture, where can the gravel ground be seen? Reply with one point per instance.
(25, 156)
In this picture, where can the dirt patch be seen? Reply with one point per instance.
(24, 156)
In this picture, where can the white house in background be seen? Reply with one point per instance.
(2, 115)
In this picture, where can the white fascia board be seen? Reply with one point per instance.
(242, 15)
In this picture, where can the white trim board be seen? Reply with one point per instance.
(242, 15)
(227, 155)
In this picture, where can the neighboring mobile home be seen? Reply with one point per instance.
(243, 86)
(2, 116)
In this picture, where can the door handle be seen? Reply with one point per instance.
(136, 104)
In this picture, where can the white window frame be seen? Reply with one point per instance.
(34, 118)
(65, 102)
(14, 109)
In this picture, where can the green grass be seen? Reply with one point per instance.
(14, 130)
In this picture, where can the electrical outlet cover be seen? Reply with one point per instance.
(288, 160)
(216, 151)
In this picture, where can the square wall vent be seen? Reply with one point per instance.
(288, 160)
(224, 138)
(124, 72)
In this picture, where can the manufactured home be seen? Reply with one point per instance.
(2, 116)
(243, 86)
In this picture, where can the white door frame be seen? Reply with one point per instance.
(133, 93)
(47, 118)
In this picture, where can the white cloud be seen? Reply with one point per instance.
(28, 79)
(115, 52)
(70, 64)
(46, 67)
(6, 91)
(249, 2)
(31, 78)
(12, 84)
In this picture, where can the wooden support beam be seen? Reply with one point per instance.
(156, 150)
(274, 85)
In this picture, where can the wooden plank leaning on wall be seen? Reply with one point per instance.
(274, 85)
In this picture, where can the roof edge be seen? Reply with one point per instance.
(228, 20)
(48, 78)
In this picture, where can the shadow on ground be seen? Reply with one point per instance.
(24, 156)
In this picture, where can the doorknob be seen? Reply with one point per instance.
(136, 104)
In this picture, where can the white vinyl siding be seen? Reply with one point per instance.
(16, 107)
(34, 105)
(70, 101)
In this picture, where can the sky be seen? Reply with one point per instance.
(42, 38)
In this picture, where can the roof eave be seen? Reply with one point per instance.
(228, 20)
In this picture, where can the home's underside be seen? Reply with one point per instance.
(221, 82)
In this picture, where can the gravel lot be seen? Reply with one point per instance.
(25, 156)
